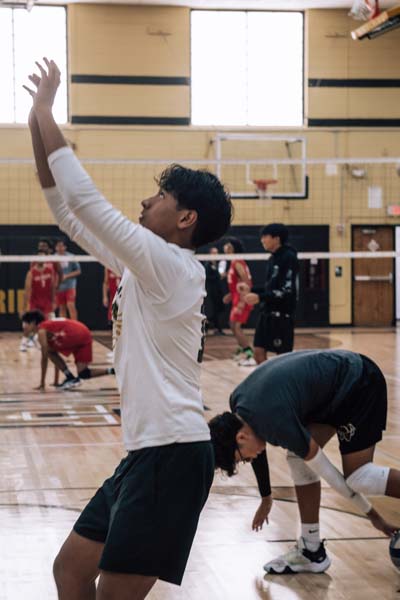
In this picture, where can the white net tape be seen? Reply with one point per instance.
(257, 256)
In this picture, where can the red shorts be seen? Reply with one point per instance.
(81, 354)
(46, 309)
(239, 313)
(66, 296)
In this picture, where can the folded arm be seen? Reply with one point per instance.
(283, 286)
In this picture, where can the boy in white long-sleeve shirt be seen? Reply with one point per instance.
(140, 524)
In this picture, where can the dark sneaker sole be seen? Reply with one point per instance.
(288, 571)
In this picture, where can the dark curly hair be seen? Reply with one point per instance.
(223, 430)
(49, 243)
(237, 244)
(203, 192)
(33, 316)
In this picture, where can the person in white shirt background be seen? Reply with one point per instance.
(140, 524)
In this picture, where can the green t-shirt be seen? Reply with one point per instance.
(285, 394)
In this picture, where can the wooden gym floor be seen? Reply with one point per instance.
(57, 447)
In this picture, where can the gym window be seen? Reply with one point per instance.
(247, 68)
(26, 36)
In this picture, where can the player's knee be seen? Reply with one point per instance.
(60, 570)
(301, 473)
(85, 373)
(68, 574)
(369, 479)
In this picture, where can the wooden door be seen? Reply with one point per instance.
(373, 292)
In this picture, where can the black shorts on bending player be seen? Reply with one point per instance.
(362, 417)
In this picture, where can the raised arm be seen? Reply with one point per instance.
(62, 214)
(147, 255)
(154, 262)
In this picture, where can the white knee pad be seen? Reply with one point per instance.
(301, 473)
(369, 479)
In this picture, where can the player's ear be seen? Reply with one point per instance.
(187, 218)
(242, 436)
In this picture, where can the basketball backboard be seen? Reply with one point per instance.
(243, 159)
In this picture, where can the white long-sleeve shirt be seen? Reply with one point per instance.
(158, 327)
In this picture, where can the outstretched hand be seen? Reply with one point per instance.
(46, 85)
(262, 513)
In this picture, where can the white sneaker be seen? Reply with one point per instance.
(299, 560)
(68, 384)
(23, 345)
(247, 361)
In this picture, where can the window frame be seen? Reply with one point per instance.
(16, 124)
(299, 127)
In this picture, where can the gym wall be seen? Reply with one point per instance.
(129, 97)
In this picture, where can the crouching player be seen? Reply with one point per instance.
(298, 401)
(64, 336)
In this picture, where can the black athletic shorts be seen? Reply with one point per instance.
(362, 418)
(274, 332)
(146, 514)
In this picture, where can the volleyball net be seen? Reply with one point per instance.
(341, 213)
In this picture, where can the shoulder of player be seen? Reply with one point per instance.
(191, 266)
(239, 262)
(287, 254)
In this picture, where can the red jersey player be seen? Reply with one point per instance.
(63, 336)
(40, 286)
(239, 273)
(111, 282)
(39, 293)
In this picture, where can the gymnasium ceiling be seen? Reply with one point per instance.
(258, 4)
(222, 4)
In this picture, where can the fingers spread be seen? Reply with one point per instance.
(35, 79)
(31, 92)
(42, 71)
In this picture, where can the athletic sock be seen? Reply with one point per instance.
(68, 374)
(310, 535)
(110, 371)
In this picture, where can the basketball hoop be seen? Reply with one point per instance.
(262, 187)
